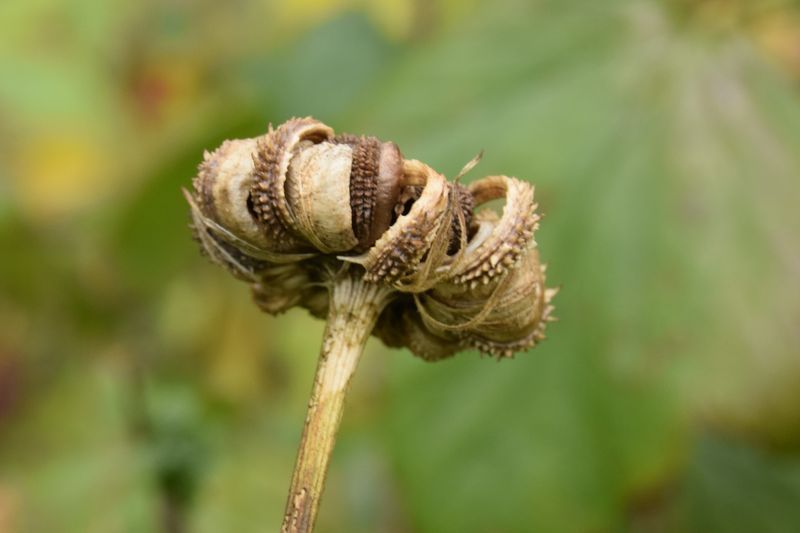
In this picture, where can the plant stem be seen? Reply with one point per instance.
(354, 308)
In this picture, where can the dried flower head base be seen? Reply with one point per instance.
(347, 228)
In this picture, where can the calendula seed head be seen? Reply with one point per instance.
(287, 211)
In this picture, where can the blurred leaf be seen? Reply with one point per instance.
(69, 455)
(324, 72)
(734, 488)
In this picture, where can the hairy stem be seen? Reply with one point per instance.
(354, 308)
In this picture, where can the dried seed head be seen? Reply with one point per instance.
(276, 210)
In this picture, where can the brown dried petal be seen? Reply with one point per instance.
(280, 288)
(400, 326)
(466, 204)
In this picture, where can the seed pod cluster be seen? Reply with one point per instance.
(288, 210)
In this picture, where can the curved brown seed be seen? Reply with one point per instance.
(401, 248)
(272, 158)
(374, 185)
(363, 178)
(491, 254)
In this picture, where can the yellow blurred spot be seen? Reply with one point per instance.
(779, 34)
(394, 17)
(55, 174)
(295, 16)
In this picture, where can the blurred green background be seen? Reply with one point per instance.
(140, 389)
